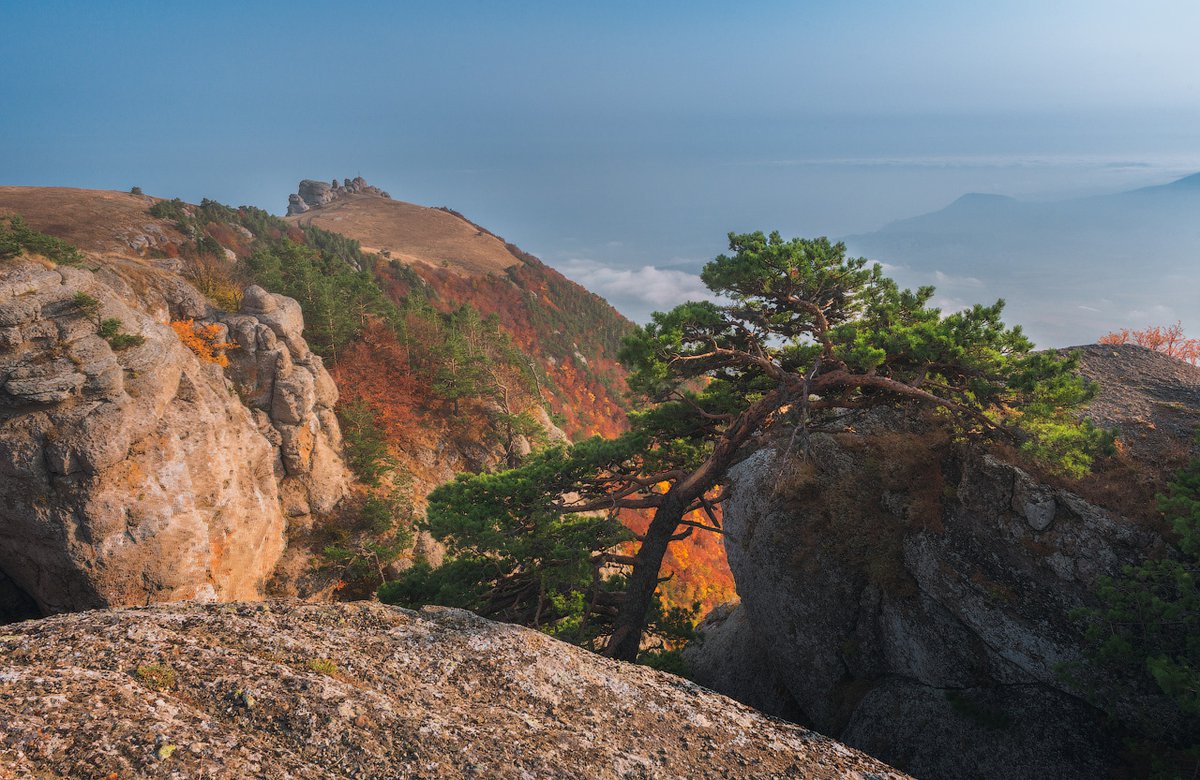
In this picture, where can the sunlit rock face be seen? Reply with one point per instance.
(132, 471)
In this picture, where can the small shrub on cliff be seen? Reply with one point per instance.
(85, 304)
(203, 339)
(1147, 630)
(160, 677)
(110, 331)
(16, 238)
(215, 276)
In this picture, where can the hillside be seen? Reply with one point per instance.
(1071, 270)
(93, 220)
(412, 233)
(572, 333)
(568, 335)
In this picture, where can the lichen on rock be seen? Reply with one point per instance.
(132, 471)
(285, 689)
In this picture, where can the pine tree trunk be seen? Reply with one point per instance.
(630, 623)
(643, 581)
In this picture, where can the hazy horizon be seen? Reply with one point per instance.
(618, 143)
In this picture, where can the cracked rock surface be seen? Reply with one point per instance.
(913, 597)
(286, 689)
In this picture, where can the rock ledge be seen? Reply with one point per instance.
(288, 689)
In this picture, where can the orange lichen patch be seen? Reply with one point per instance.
(203, 340)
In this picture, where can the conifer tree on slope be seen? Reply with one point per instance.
(804, 333)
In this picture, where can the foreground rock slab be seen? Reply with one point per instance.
(287, 689)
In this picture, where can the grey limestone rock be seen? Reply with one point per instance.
(931, 638)
(287, 689)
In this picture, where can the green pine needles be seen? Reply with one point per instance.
(805, 336)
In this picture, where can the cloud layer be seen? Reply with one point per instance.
(636, 292)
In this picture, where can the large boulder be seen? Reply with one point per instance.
(138, 472)
(912, 596)
(314, 194)
(284, 689)
(130, 474)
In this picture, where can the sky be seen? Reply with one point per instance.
(620, 141)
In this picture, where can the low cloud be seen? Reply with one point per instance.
(942, 279)
(637, 291)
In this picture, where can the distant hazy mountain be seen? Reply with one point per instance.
(1070, 270)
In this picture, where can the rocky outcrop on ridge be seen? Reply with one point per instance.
(292, 397)
(912, 597)
(284, 689)
(312, 193)
(131, 470)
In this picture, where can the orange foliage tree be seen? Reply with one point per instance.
(204, 339)
(1168, 340)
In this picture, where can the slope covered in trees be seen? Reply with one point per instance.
(402, 331)
(571, 334)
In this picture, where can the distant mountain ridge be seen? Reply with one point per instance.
(1071, 270)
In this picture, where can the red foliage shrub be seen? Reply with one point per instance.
(1168, 340)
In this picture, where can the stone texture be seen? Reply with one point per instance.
(284, 689)
(728, 657)
(312, 194)
(293, 397)
(923, 617)
(139, 475)
(128, 475)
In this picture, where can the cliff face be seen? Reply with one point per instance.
(363, 690)
(912, 597)
(131, 469)
(570, 336)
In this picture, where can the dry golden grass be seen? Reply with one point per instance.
(93, 220)
(412, 234)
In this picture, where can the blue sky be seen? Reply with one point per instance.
(607, 137)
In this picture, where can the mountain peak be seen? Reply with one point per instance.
(981, 199)
(1187, 181)
(312, 193)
